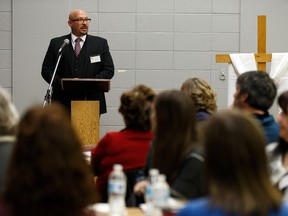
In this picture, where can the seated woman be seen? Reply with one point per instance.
(8, 123)
(203, 96)
(278, 152)
(236, 170)
(129, 146)
(47, 174)
(175, 151)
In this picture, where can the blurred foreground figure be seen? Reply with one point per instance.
(8, 122)
(48, 174)
(236, 170)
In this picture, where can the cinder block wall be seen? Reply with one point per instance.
(6, 44)
(162, 43)
(159, 43)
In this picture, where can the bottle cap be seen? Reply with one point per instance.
(117, 167)
(154, 171)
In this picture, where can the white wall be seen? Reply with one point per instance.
(34, 23)
(6, 44)
(159, 43)
(276, 18)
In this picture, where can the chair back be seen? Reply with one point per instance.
(133, 176)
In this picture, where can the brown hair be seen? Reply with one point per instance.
(48, 174)
(136, 107)
(236, 165)
(175, 132)
(282, 147)
(283, 102)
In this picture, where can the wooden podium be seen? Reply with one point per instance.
(84, 113)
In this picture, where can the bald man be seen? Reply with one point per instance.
(86, 56)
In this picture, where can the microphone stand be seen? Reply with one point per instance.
(48, 96)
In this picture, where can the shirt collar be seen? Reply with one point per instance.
(74, 37)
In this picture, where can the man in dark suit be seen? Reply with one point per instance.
(87, 57)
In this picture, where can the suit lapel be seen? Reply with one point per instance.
(86, 52)
(70, 53)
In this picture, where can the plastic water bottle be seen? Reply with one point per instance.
(153, 175)
(151, 210)
(161, 192)
(117, 191)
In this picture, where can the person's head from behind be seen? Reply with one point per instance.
(8, 114)
(202, 94)
(135, 107)
(236, 165)
(283, 115)
(255, 89)
(79, 22)
(173, 121)
(48, 174)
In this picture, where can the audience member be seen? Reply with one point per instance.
(174, 151)
(8, 123)
(47, 174)
(203, 96)
(255, 93)
(278, 151)
(236, 170)
(129, 146)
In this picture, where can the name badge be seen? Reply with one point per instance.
(95, 59)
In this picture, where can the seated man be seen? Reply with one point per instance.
(255, 93)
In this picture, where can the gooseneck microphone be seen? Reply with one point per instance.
(66, 42)
(48, 96)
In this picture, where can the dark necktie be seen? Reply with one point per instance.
(77, 46)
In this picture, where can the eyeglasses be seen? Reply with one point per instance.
(86, 20)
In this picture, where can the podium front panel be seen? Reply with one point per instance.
(85, 119)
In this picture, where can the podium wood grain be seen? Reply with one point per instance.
(85, 119)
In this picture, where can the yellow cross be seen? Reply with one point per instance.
(261, 57)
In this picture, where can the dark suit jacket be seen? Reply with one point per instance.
(94, 61)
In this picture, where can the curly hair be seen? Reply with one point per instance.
(136, 107)
(202, 94)
(48, 174)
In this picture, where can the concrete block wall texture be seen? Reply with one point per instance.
(6, 44)
(159, 43)
(162, 43)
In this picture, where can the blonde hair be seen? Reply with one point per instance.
(202, 94)
(9, 116)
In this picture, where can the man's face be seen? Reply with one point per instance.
(79, 24)
(283, 125)
(238, 99)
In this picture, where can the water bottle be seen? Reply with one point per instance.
(151, 210)
(161, 192)
(117, 191)
(153, 175)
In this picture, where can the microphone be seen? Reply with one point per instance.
(66, 42)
